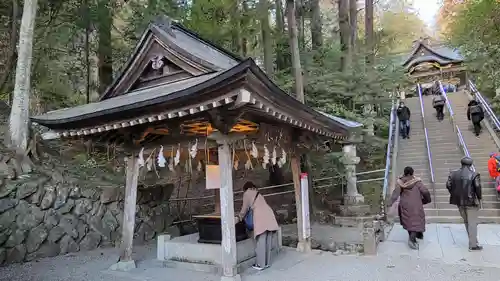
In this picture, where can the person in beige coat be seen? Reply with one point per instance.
(264, 223)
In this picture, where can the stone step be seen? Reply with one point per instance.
(446, 197)
(439, 129)
(445, 205)
(454, 212)
(436, 136)
(443, 154)
(458, 219)
(487, 192)
(435, 159)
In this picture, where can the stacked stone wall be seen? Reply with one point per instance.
(49, 215)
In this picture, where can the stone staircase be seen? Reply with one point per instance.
(446, 155)
(479, 150)
(412, 152)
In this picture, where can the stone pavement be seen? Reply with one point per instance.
(447, 243)
(397, 265)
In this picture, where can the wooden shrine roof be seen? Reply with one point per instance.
(162, 82)
(187, 97)
(423, 52)
(182, 45)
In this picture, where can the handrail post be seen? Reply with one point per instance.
(427, 144)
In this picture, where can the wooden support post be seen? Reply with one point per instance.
(229, 259)
(126, 262)
(303, 245)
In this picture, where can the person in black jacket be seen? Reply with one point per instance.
(438, 103)
(404, 115)
(475, 114)
(464, 186)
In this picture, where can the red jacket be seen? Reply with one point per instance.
(492, 166)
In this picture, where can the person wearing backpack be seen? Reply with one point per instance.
(494, 169)
(259, 218)
(475, 114)
(438, 103)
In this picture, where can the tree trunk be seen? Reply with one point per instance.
(353, 23)
(104, 49)
(19, 115)
(316, 26)
(236, 32)
(369, 31)
(294, 46)
(266, 37)
(11, 56)
(87, 50)
(244, 23)
(345, 34)
(282, 56)
(299, 19)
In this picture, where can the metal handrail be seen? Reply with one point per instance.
(427, 144)
(392, 121)
(389, 152)
(485, 104)
(461, 140)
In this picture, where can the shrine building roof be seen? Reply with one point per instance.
(423, 52)
(173, 73)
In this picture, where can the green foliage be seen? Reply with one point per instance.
(398, 29)
(476, 31)
(343, 93)
(59, 65)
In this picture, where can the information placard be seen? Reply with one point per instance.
(212, 177)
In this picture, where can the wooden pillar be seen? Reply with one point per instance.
(132, 175)
(302, 245)
(229, 259)
(129, 209)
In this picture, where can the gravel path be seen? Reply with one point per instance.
(291, 266)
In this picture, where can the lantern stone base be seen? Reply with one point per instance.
(353, 199)
(358, 210)
(185, 252)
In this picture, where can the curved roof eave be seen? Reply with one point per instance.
(183, 90)
(443, 53)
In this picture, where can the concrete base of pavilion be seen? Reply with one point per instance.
(185, 252)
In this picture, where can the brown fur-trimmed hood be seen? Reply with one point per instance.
(408, 181)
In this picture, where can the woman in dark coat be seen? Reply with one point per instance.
(413, 196)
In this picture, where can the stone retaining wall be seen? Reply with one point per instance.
(45, 216)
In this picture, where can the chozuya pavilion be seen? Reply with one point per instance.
(181, 93)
